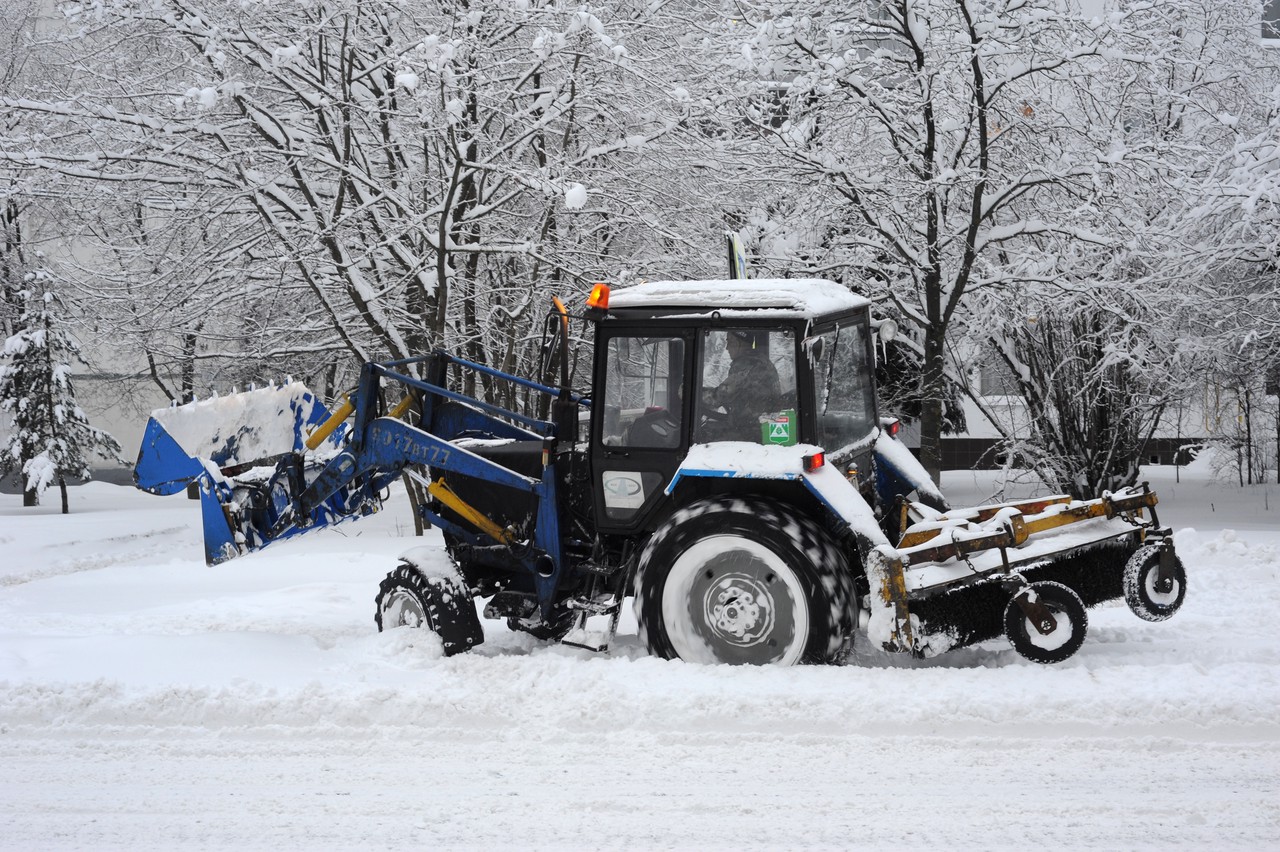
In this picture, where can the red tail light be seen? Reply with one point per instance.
(815, 461)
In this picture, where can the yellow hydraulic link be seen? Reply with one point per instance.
(442, 492)
(401, 407)
(1026, 507)
(325, 429)
(1103, 507)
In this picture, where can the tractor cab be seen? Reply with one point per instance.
(757, 362)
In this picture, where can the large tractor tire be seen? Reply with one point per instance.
(743, 581)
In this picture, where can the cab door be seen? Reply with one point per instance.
(640, 429)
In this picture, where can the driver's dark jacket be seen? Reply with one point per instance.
(749, 390)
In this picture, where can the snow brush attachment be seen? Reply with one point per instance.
(250, 455)
(969, 575)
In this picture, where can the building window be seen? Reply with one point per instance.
(996, 379)
(1271, 20)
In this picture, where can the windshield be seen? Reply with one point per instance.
(747, 390)
(843, 392)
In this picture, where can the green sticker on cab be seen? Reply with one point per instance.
(779, 429)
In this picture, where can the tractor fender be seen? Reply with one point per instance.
(740, 460)
(899, 472)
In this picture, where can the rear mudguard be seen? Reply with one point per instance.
(899, 473)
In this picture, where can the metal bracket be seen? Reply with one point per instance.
(577, 637)
(1165, 569)
(1037, 613)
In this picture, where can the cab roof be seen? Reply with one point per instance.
(793, 297)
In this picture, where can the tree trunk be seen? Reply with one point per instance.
(932, 388)
(1248, 434)
(62, 486)
(30, 497)
(188, 367)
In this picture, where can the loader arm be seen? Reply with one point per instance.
(275, 463)
(389, 445)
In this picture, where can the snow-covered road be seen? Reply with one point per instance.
(147, 701)
(712, 783)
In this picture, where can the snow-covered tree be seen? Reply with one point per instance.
(16, 21)
(1213, 110)
(359, 180)
(51, 437)
(931, 151)
(1116, 329)
(1094, 374)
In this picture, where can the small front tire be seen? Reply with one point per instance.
(1142, 590)
(1068, 613)
(440, 603)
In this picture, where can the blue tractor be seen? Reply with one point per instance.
(725, 467)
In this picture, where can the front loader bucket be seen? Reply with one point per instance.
(247, 453)
(238, 431)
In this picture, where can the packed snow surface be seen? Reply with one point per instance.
(150, 702)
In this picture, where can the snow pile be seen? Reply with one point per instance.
(242, 427)
(747, 459)
(575, 197)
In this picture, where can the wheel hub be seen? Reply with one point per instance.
(742, 608)
(401, 609)
(739, 608)
(731, 599)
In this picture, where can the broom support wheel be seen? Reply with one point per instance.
(1045, 622)
(1155, 583)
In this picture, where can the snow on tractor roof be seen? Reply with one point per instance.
(809, 297)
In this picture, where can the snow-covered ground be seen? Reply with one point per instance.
(148, 701)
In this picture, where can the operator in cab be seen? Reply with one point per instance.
(750, 389)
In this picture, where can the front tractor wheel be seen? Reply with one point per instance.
(439, 602)
(1046, 622)
(742, 581)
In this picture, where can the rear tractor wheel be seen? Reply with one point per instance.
(743, 581)
(1149, 596)
(1046, 622)
(438, 601)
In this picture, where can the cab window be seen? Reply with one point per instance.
(843, 393)
(642, 393)
(747, 387)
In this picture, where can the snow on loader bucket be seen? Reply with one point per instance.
(248, 453)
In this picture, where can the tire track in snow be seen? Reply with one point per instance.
(95, 561)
